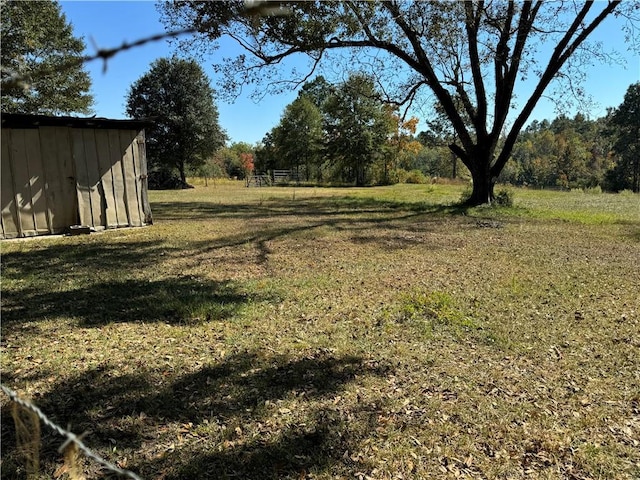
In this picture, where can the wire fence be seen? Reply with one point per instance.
(71, 438)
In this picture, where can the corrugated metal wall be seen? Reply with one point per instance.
(57, 176)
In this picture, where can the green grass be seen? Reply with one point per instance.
(322, 333)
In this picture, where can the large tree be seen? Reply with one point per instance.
(39, 75)
(357, 127)
(299, 136)
(466, 53)
(175, 94)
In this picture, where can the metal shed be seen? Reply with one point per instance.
(63, 171)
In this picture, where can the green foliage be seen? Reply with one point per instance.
(625, 133)
(236, 161)
(176, 95)
(298, 138)
(416, 176)
(38, 44)
(330, 132)
(356, 126)
(566, 153)
(504, 197)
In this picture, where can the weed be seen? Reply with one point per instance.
(504, 197)
(432, 309)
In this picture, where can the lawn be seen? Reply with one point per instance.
(325, 333)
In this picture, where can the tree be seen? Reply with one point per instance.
(401, 145)
(474, 51)
(625, 123)
(357, 127)
(299, 136)
(175, 93)
(37, 41)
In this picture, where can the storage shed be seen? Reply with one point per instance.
(58, 172)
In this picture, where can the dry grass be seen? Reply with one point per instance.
(336, 333)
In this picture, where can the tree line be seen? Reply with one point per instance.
(578, 153)
(352, 131)
(327, 135)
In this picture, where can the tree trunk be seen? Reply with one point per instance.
(482, 193)
(183, 176)
(484, 179)
(454, 164)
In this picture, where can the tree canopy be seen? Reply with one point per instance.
(357, 126)
(469, 55)
(175, 94)
(299, 136)
(38, 45)
(338, 133)
(625, 123)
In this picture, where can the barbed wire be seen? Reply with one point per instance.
(70, 437)
(13, 79)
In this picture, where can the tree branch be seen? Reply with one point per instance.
(560, 55)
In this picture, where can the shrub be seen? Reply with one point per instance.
(504, 198)
(417, 177)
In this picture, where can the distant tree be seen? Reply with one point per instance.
(474, 51)
(246, 164)
(625, 129)
(401, 145)
(238, 160)
(266, 154)
(175, 93)
(299, 136)
(317, 90)
(37, 41)
(357, 127)
(566, 152)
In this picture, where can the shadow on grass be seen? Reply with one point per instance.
(309, 206)
(362, 217)
(100, 283)
(171, 300)
(233, 405)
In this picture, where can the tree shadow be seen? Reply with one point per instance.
(169, 300)
(394, 221)
(44, 283)
(244, 389)
(307, 207)
(64, 260)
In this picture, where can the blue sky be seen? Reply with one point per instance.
(108, 24)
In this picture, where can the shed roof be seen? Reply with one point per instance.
(20, 120)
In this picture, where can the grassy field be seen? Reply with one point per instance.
(321, 333)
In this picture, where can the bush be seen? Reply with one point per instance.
(416, 177)
(504, 198)
(165, 180)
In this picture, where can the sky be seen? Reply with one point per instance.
(107, 24)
